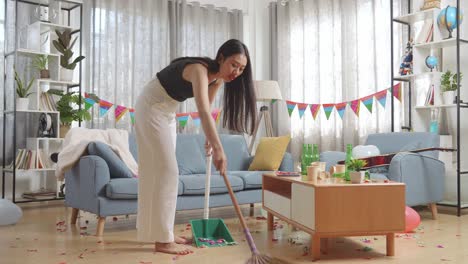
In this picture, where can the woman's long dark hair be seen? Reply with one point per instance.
(240, 101)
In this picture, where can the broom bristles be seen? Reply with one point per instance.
(264, 259)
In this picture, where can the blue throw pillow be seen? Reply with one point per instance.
(117, 167)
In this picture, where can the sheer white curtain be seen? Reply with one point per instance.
(332, 52)
(128, 42)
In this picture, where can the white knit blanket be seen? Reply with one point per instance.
(76, 143)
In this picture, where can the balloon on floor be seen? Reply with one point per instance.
(412, 219)
(10, 213)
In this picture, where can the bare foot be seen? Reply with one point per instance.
(182, 240)
(171, 248)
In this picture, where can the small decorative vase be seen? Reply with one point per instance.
(357, 176)
(448, 97)
(64, 130)
(22, 104)
(66, 75)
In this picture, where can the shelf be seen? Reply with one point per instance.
(50, 26)
(416, 17)
(27, 52)
(46, 139)
(55, 82)
(452, 42)
(24, 200)
(32, 111)
(17, 170)
(407, 78)
(66, 4)
(436, 106)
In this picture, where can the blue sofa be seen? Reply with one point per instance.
(423, 173)
(90, 185)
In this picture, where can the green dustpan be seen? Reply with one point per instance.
(210, 232)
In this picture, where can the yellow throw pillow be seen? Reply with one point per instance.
(269, 154)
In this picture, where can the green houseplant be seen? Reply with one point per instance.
(67, 105)
(64, 44)
(356, 173)
(448, 86)
(40, 63)
(22, 91)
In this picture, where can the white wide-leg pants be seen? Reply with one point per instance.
(155, 126)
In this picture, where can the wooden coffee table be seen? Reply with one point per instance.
(326, 210)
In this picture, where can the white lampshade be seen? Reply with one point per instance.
(267, 90)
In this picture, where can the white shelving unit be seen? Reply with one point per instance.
(32, 39)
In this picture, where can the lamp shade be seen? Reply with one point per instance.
(267, 90)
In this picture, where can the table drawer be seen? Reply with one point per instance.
(277, 203)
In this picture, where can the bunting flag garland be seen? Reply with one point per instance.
(368, 101)
(291, 105)
(301, 108)
(341, 107)
(132, 115)
(314, 109)
(89, 103)
(381, 97)
(273, 101)
(397, 91)
(119, 112)
(216, 113)
(356, 106)
(104, 107)
(328, 109)
(195, 118)
(182, 118)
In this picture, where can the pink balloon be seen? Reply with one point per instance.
(412, 219)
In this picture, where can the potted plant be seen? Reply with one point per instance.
(40, 63)
(22, 91)
(67, 105)
(448, 86)
(356, 173)
(64, 45)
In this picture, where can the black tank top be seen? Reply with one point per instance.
(173, 82)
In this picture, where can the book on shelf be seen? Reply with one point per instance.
(48, 102)
(430, 96)
(40, 194)
(33, 159)
(426, 32)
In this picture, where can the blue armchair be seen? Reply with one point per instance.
(423, 173)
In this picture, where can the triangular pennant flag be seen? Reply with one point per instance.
(273, 101)
(381, 97)
(301, 107)
(215, 114)
(291, 105)
(119, 112)
(195, 118)
(341, 107)
(397, 91)
(88, 103)
(132, 115)
(368, 101)
(314, 109)
(182, 118)
(104, 107)
(328, 109)
(356, 106)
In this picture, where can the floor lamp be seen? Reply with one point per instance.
(265, 91)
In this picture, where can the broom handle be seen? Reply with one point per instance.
(206, 210)
(248, 236)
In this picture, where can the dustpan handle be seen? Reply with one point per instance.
(206, 208)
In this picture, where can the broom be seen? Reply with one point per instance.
(256, 258)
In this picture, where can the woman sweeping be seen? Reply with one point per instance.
(156, 131)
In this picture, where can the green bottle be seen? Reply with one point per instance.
(315, 153)
(309, 155)
(349, 149)
(304, 160)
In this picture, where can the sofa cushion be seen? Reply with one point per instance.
(269, 153)
(252, 179)
(190, 158)
(195, 184)
(117, 167)
(127, 189)
(122, 189)
(236, 152)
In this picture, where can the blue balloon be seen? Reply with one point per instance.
(10, 213)
(431, 62)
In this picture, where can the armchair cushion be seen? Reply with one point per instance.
(125, 189)
(117, 167)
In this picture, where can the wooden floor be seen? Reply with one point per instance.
(44, 235)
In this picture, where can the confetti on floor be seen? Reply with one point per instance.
(440, 246)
